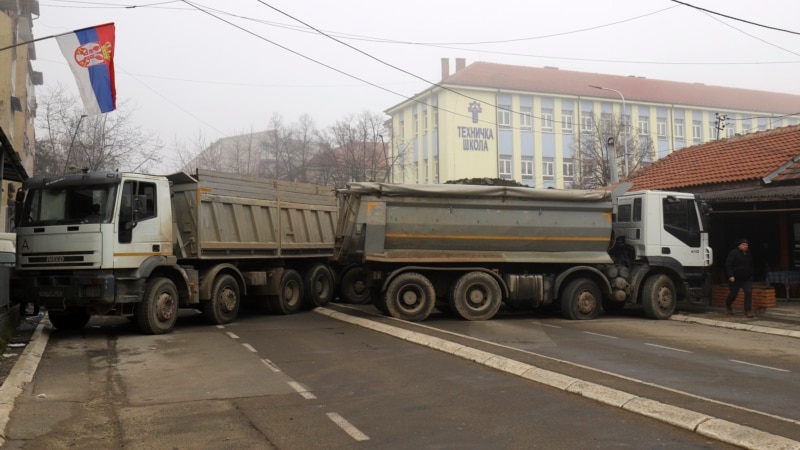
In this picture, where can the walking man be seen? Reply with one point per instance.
(739, 268)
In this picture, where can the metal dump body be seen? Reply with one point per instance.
(219, 215)
(472, 224)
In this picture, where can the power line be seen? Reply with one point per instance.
(736, 18)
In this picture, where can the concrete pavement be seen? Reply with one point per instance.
(782, 320)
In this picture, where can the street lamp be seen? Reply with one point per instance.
(625, 136)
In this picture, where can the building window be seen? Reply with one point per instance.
(503, 118)
(569, 170)
(697, 130)
(547, 119)
(435, 119)
(402, 130)
(436, 169)
(679, 129)
(527, 169)
(644, 125)
(416, 123)
(713, 133)
(661, 127)
(606, 122)
(587, 123)
(566, 121)
(548, 169)
(505, 167)
(526, 119)
(424, 121)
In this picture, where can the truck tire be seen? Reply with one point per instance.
(410, 296)
(71, 319)
(290, 295)
(581, 300)
(223, 306)
(476, 296)
(658, 297)
(318, 285)
(158, 310)
(353, 286)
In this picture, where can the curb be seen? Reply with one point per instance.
(705, 425)
(737, 326)
(21, 374)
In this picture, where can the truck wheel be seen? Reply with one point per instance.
(290, 295)
(71, 319)
(476, 296)
(410, 296)
(318, 286)
(353, 286)
(223, 306)
(658, 297)
(158, 310)
(581, 300)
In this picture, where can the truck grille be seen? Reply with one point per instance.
(55, 261)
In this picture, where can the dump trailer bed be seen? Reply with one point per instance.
(452, 224)
(219, 216)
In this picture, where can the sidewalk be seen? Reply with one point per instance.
(783, 319)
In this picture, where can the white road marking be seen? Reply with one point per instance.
(547, 325)
(668, 348)
(271, 365)
(759, 365)
(601, 335)
(249, 347)
(348, 428)
(302, 390)
(232, 335)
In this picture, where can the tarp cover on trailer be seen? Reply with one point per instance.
(464, 190)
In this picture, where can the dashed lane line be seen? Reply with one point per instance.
(668, 348)
(348, 428)
(759, 365)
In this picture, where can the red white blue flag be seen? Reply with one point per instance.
(90, 55)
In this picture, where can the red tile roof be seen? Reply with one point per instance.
(770, 154)
(566, 82)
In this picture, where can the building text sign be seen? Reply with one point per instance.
(475, 138)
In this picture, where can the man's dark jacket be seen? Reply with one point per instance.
(739, 264)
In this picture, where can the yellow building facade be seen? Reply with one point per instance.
(531, 124)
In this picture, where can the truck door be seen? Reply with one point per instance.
(138, 228)
(682, 236)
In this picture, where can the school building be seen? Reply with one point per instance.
(527, 124)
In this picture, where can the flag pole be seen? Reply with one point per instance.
(35, 40)
(51, 36)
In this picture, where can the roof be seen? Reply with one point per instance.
(639, 89)
(765, 157)
(13, 170)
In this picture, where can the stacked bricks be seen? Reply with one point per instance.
(763, 296)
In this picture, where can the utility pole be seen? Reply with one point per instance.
(624, 125)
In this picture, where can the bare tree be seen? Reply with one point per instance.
(69, 140)
(632, 152)
(356, 144)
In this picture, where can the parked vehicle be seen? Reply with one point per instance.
(467, 249)
(109, 243)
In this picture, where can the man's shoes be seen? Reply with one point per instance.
(749, 314)
(729, 310)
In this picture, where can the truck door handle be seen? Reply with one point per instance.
(665, 251)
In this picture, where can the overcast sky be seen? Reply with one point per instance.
(227, 70)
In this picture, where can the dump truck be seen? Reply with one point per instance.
(469, 249)
(143, 246)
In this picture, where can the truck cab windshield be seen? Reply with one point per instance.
(69, 205)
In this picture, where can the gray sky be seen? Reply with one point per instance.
(184, 72)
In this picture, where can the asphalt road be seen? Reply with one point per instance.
(314, 381)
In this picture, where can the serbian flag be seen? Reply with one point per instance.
(90, 55)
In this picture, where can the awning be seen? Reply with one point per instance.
(13, 170)
(753, 194)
